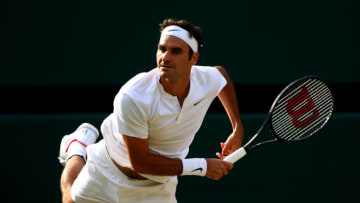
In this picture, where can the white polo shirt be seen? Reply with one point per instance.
(144, 110)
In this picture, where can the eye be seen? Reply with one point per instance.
(162, 49)
(176, 50)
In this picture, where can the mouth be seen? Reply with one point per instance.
(165, 66)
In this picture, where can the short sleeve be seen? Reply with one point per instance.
(218, 81)
(130, 118)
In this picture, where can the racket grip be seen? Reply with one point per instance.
(235, 156)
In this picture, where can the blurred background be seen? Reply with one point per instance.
(62, 63)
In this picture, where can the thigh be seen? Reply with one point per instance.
(88, 186)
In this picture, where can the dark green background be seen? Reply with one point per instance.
(106, 42)
(260, 42)
(324, 168)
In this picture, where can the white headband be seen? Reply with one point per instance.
(181, 33)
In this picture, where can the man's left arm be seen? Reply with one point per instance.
(228, 99)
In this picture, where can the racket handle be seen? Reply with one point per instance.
(235, 156)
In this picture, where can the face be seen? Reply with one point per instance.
(172, 59)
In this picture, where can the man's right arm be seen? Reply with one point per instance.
(145, 162)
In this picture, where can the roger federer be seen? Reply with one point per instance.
(147, 137)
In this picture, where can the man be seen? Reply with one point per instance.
(147, 137)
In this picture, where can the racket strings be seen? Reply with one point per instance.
(309, 125)
(279, 117)
(288, 133)
(301, 99)
(310, 104)
(291, 92)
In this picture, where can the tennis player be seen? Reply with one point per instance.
(147, 137)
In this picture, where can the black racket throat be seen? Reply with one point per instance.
(249, 148)
(274, 139)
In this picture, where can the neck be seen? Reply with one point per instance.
(178, 89)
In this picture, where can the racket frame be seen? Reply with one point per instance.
(269, 118)
(238, 154)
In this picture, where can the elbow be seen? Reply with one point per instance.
(136, 165)
(140, 170)
(139, 166)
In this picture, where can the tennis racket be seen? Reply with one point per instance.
(300, 110)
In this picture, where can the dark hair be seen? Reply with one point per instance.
(192, 29)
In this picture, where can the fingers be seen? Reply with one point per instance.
(228, 165)
(220, 156)
(218, 168)
(225, 151)
(225, 148)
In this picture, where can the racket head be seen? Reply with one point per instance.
(301, 109)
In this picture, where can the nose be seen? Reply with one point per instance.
(165, 57)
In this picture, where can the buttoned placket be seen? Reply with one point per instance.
(182, 110)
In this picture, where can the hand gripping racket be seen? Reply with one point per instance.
(300, 110)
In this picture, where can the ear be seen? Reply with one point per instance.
(194, 58)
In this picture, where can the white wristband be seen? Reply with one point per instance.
(194, 166)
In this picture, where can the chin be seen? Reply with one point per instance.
(166, 76)
(164, 70)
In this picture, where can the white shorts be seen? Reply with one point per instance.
(101, 181)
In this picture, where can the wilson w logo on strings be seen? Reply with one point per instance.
(302, 105)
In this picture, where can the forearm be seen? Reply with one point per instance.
(154, 164)
(146, 162)
(209, 167)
